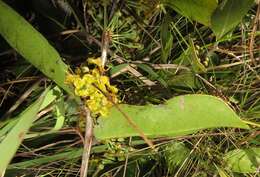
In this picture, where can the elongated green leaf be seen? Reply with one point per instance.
(166, 38)
(198, 10)
(32, 45)
(195, 60)
(20, 127)
(72, 154)
(228, 14)
(178, 116)
(190, 58)
(49, 97)
(243, 160)
(13, 139)
(60, 114)
(68, 154)
(115, 70)
(153, 74)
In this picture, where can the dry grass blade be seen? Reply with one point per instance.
(136, 73)
(194, 148)
(21, 99)
(252, 37)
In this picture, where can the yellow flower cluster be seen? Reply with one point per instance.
(94, 88)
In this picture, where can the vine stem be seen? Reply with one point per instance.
(105, 46)
(87, 142)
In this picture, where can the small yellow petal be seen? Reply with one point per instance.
(113, 89)
(104, 80)
(78, 83)
(96, 61)
(88, 79)
(70, 78)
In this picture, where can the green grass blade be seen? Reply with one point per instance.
(59, 114)
(166, 38)
(178, 116)
(115, 70)
(74, 153)
(32, 45)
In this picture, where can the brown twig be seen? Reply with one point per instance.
(9, 88)
(186, 159)
(24, 79)
(121, 61)
(105, 46)
(89, 123)
(87, 143)
(21, 99)
(32, 152)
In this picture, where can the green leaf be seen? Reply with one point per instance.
(21, 125)
(198, 10)
(243, 160)
(14, 138)
(197, 66)
(67, 154)
(175, 153)
(227, 16)
(166, 38)
(32, 45)
(49, 98)
(59, 114)
(178, 116)
(72, 154)
(153, 74)
(185, 79)
(190, 58)
(116, 70)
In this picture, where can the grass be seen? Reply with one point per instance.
(224, 70)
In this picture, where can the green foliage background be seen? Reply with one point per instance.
(192, 41)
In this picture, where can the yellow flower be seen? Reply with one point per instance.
(70, 78)
(78, 83)
(94, 88)
(113, 89)
(104, 111)
(88, 79)
(96, 61)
